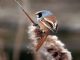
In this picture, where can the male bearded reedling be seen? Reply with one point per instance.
(53, 48)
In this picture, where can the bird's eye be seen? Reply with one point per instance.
(39, 15)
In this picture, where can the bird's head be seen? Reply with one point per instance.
(41, 14)
(46, 20)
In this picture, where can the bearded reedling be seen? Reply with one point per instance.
(44, 40)
(47, 23)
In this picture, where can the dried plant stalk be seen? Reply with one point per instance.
(52, 49)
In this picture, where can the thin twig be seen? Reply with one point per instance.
(43, 39)
(27, 15)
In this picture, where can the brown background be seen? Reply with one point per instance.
(13, 24)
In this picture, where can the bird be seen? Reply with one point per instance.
(53, 48)
(47, 21)
(48, 25)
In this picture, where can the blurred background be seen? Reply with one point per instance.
(14, 25)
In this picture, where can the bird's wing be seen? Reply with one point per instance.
(52, 20)
(47, 24)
